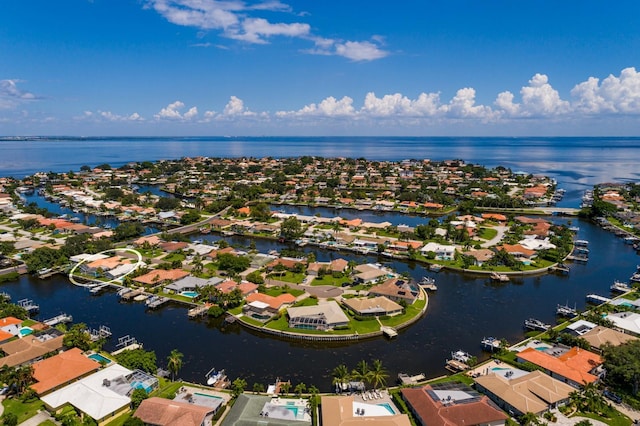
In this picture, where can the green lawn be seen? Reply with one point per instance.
(288, 276)
(24, 410)
(614, 418)
(487, 233)
(309, 301)
(330, 280)
(459, 377)
(410, 312)
(361, 327)
(47, 423)
(277, 291)
(173, 257)
(119, 421)
(167, 389)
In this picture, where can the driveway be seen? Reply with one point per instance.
(495, 240)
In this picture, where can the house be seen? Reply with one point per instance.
(324, 316)
(190, 283)
(152, 240)
(396, 289)
(518, 251)
(102, 395)
(626, 321)
(575, 367)
(451, 404)
(165, 412)
(159, 276)
(173, 246)
(369, 273)
(345, 411)
(34, 347)
(442, 252)
(11, 325)
(373, 307)
(263, 306)
(535, 392)
(480, 256)
(61, 369)
(599, 335)
(580, 327)
(339, 265)
(250, 410)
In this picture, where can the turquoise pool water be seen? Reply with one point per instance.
(387, 406)
(294, 410)
(499, 368)
(207, 396)
(99, 358)
(25, 331)
(140, 385)
(190, 294)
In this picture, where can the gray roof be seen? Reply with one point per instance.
(246, 412)
(192, 282)
(331, 311)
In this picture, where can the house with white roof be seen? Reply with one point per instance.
(443, 252)
(626, 321)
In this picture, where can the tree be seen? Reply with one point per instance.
(190, 217)
(238, 387)
(260, 211)
(285, 387)
(291, 228)
(622, 364)
(255, 277)
(231, 263)
(300, 388)
(340, 375)
(378, 375)
(77, 337)
(167, 203)
(258, 387)
(137, 396)
(9, 419)
(133, 421)
(361, 372)
(174, 362)
(138, 359)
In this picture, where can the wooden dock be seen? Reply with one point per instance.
(131, 294)
(456, 366)
(390, 332)
(155, 302)
(62, 318)
(198, 311)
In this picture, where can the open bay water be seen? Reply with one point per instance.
(465, 308)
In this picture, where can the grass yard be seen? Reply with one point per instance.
(330, 280)
(410, 312)
(277, 291)
(24, 410)
(288, 277)
(487, 233)
(614, 418)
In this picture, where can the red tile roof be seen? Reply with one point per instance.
(575, 364)
(61, 369)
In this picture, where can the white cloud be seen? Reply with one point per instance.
(426, 105)
(234, 20)
(172, 112)
(235, 107)
(329, 107)
(360, 50)
(614, 95)
(539, 99)
(11, 95)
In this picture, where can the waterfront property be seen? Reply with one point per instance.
(257, 410)
(61, 369)
(627, 321)
(165, 412)
(599, 335)
(574, 366)
(535, 392)
(23, 351)
(372, 307)
(397, 289)
(324, 316)
(451, 403)
(346, 410)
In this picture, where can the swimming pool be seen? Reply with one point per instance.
(207, 396)
(190, 294)
(387, 406)
(25, 331)
(293, 409)
(99, 358)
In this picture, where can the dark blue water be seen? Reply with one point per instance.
(576, 163)
(464, 309)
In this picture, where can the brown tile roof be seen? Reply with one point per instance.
(23, 350)
(575, 364)
(339, 265)
(165, 412)
(171, 275)
(172, 246)
(215, 253)
(599, 335)
(437, 413)
(338, 411)
(61, 369)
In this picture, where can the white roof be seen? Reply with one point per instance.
(626, 320)
(87, 257)
(259, 305)
(90, 396)
(435, 247)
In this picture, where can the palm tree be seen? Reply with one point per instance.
(378, 375)
(174, 362)
(361, 372)
(300, 387)
(197, 265)
(340, 375)
(284, 387)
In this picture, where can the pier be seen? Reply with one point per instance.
(198, 311)
(594, 298)
(103, 332)
(98, 288)
(60, 319)
(156, 301)
(29, 306)
(132, 294)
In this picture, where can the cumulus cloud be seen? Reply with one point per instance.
(235, 108)
(614, 95)
(172, 112)
(234, 20)
(329, 107)
(539, 99)
(11, 95)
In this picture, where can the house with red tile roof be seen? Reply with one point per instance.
(10, 325)
(61, 369)
(396, 289)
(173, 246)
(153, 240)
(287, 262)
(576, 367)
(275, 303)
(517, 250)
(165, 412)
(451, 404)
(161, 276)
(227, 250)
(495, 216)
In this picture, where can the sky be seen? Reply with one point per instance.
(319, 67)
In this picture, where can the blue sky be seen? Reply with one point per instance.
(321, 67)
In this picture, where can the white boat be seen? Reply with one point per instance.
(428, 283)
(581, 243)
(566, 311)
(490, 344)
(435, 267)
(460, 356)
(620, 287)
(214, 376)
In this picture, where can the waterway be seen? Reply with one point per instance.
(465, 309)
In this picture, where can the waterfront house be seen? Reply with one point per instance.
(442, 252)
(190, 283)
(521, 253)
(575, 366)
(579, 327)
(268, 305)
(451, 403)
(245, 287)
(156, 411)
(173, 246)
(396, 289)
(31, 348)
(480, 256)
(373, 307)
(11, 325)
(151, 240)
(61, 369)
(535, 392)
(599, 335)
(345, 411)
(262, 410)
(227, 250)
(629, 322)
(102, 395)
(160, 276)
(324, 316)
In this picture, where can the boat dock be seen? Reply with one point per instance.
(566, 311)
(405, 379)
(62, 318)
(456, 366)
(390, 332)
(131, 294)
(29, 306)
(561, 268)
(156, 301)
(126, 343)
(103, 332)
(98, 288)
(620, 287)
(595, 299)
(198, 311)
(490, 344)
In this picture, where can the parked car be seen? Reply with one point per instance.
(612, 396)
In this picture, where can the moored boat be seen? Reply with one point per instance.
(428, 283)
(566, 311)
(499, 277)
(490, 344)
(536, 325)
(620, 287)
